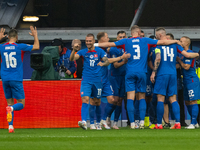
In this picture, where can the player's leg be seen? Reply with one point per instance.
(118, 110)
(130, 80)
(152, 112)
(98, 113)
(160, 110)
(176, 111)
(137, 111)
(92, 108)
(10, 114)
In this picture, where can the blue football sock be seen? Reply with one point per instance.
(11, 123)
(84, 111)
(91, 113)
(137, 110)
(130, 110)
(108, 110)
(171, 112)
(176, 111)
(195, 111)
(160, 112)
(98, 113)
(18, 106)
(142, 108)
(118, 110)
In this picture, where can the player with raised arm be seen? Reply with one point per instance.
(166, 79)
(12, 55)
(190, 82)
(136, 68)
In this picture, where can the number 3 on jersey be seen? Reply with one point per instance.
(137, 50)
(10, 60)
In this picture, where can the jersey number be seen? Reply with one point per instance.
(191, 93)
(168, 53)
(137, 50)
(10, 60)
(92, 63)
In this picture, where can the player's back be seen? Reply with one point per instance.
(168, 58)
(12, 60)
(138, 48)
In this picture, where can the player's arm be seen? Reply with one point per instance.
(189, 55)
(150, 64)
(124, 56)
(183, 65)
(104, 63)
(156, 64)
(2, 33)
(117, 65)
(74, 56)
(36, 45)
(167, 42)
(105, 44)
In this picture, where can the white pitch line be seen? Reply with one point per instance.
(42, 136)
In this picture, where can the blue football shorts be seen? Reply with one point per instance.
(91, 89)
(107, 89)
(13, 89)
(136, 82)
(191, 91)
(118, 84)
(166, 85)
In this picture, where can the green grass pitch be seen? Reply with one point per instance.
(76, 138)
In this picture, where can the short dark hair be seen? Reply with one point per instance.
(100, 35)
(142, 31)
(90, 34)
(121, 32)
(171, 35)
(12, 33)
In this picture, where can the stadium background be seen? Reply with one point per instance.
(106, 15)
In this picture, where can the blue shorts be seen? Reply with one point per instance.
(191, 91)
(136, 82)
(107, 89)
(149, 89)
(166, 85)
(13, 89)
(118, 84)
(91, 89)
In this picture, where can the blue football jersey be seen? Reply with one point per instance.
(92, 72)
(117, 52)
(190, 75)
(104, 69)
(138, 48)
(168, 58)
(12, 55)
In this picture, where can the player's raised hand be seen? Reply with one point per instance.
(126, 55)
(100, 64)
(2, 33)
(152, 78)
(76, 47)
(179, 42)
(33, 31)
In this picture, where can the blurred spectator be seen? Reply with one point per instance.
(65, 67)
(142, 34)
(78, 62)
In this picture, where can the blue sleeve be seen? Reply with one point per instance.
(188, 60)
(179, 48)
(80, 53)
(72, 68)
(120, 42)
(151, 41)
(103, 54)
(25, 47)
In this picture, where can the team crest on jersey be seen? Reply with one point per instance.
(95, 55)
(91, 56)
